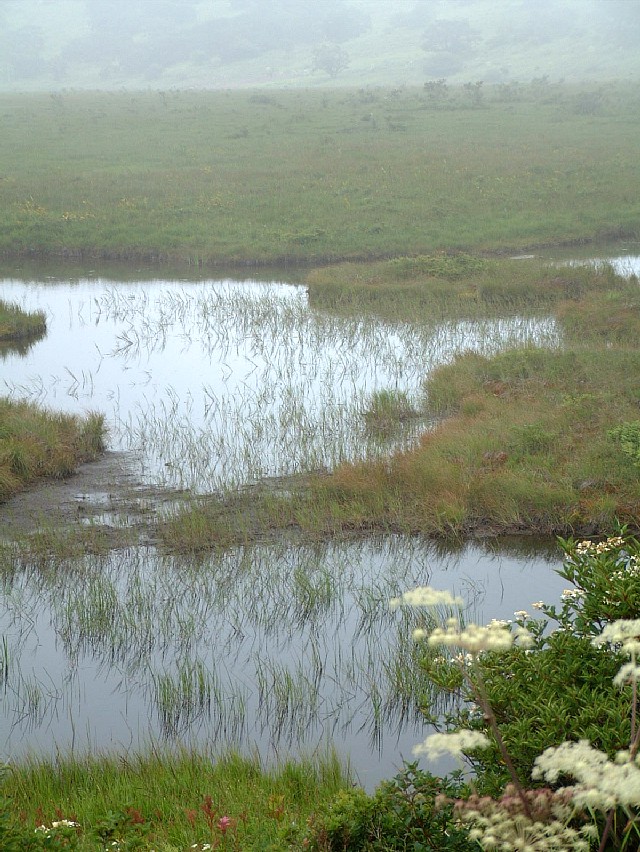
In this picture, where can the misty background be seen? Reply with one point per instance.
(140, 44)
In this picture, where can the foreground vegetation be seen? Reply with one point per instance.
(167, 803)
(250, 177)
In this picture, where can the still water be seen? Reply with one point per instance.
(214, 384)
(208, 385)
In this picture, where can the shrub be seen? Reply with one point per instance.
(546, 707)
(404, 813)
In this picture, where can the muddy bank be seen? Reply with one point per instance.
(105, 492)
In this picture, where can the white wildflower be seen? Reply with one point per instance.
(602, 783)
(625, 632)
(426, 596)
(571, 594)
(629, 673)
(496, 636)
(457, 743)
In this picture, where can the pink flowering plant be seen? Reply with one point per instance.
(548, 714)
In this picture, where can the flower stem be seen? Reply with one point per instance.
(477, 685)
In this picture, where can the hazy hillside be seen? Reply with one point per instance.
(55, 44)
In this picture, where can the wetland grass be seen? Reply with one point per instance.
(171, 804)
(525, 439)
(36, 443)
(387, 410)
(17, 325)
(310, 176)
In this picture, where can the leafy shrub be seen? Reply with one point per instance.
(404, 813)
(549, 708)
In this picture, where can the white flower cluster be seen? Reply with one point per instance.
(602, 784)
(426, 596)
(592, 548)
(624, 632)
(456, 743)
(631, 571)
(61, 823)
(504, 824)
(572, 594)
(496, 636)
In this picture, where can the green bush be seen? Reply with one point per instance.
(405, 813)
(549, 703)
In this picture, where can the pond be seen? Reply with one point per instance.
(208, 385)
(214, 384)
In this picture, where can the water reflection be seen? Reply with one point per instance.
(273, 648)
(210, 385)
(215, 384)
(19, 347)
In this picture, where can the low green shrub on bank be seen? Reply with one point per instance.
(404, 813)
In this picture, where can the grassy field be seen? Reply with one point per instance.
(172, 805)
(248, 177)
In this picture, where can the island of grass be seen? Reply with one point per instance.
(17, 325)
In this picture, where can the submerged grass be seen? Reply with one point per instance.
(169, 802)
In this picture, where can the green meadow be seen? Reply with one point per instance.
(289, 177)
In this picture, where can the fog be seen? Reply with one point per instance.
(140, 44)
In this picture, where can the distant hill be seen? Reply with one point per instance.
(140, 44)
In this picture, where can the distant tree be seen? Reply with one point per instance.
(474, 92)
(437, 91)
(331, 58)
